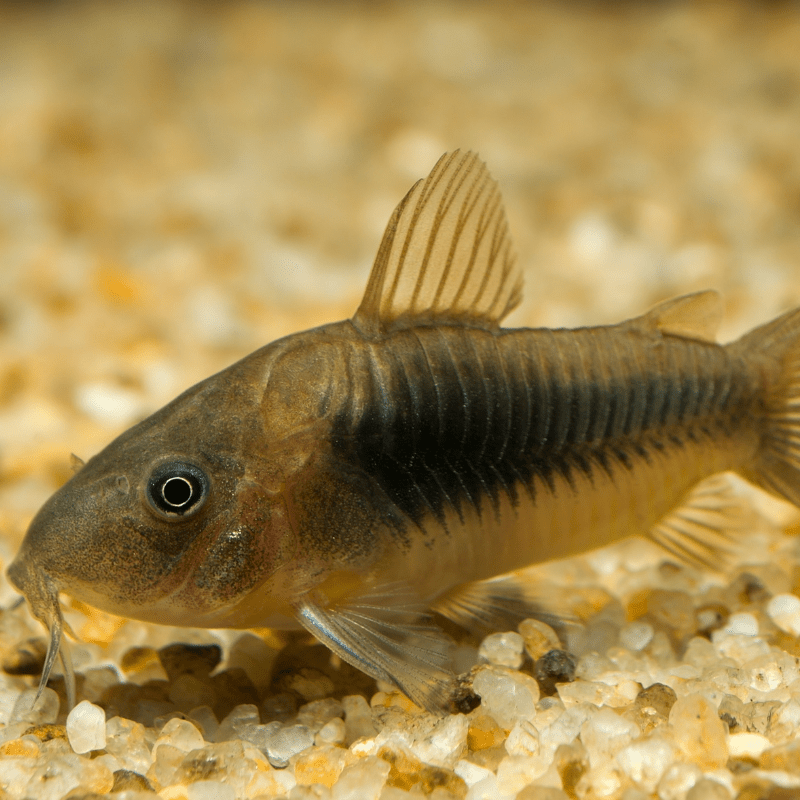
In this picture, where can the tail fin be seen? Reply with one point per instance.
(776, 346)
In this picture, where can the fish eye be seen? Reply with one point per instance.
(177, 489)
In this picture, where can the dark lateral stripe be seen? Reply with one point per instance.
(459, 416)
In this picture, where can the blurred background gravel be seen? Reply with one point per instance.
(182, 182)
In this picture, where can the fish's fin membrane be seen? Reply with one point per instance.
(500, 604)
(446, 254)
(776, 346)
(708, 530)
(390, 636)
(692, 316)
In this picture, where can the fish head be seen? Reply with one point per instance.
(178, 521)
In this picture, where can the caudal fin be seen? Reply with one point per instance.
(776, 347)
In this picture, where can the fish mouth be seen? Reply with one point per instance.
(41, 594)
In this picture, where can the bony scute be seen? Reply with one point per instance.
(356, 478)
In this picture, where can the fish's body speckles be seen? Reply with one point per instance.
(354, 478)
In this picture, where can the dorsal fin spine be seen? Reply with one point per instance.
(446, 255)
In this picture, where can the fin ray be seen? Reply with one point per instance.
(390, 636)
(446, 253)
(706, 530)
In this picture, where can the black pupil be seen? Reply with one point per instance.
(177, 491)
(177, 488)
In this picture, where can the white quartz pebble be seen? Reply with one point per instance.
(507, 696)
(743, 624)
(86, 727)
(784, 611)
(502, 649)
(636, 635)
(210, 790)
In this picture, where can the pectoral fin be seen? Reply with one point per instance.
(388, 636)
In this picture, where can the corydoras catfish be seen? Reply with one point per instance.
(354, 478)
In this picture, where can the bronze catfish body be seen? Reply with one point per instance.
(352, 478)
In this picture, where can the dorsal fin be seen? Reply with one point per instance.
(691, 316)
(446, 253)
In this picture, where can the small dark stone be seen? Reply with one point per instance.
(555, 666)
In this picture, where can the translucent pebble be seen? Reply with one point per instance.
(652, 706)
(279, 707)
(605, 733)
(550, 793)
(742, 624)
(785, 720)
(445, 743)
(180, 733)
(125, 740)
(502, 649)
(357, 718)
(538, 637)
(362, 780)
(505, 695)
(677, 780)
(321, 765)
(784, 611)
(60, 771)
(487, 789)
(260, 735)
(471, 773)
(207, 720)
(514, 773)
(44, 712)
(708, 789)
(86, 727)
(315, 791)
(318, 713)
(332, 732)
(636, 635)
(564, 727)
(739, 647)
(242, 716)
(288, 742)
(484, 732)
(523, 739)
(166, 762)
(210, 790)
(700, 652)
(598, 693)
(699, 732)
(784, 757)
(747, 745)
(646, 760)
